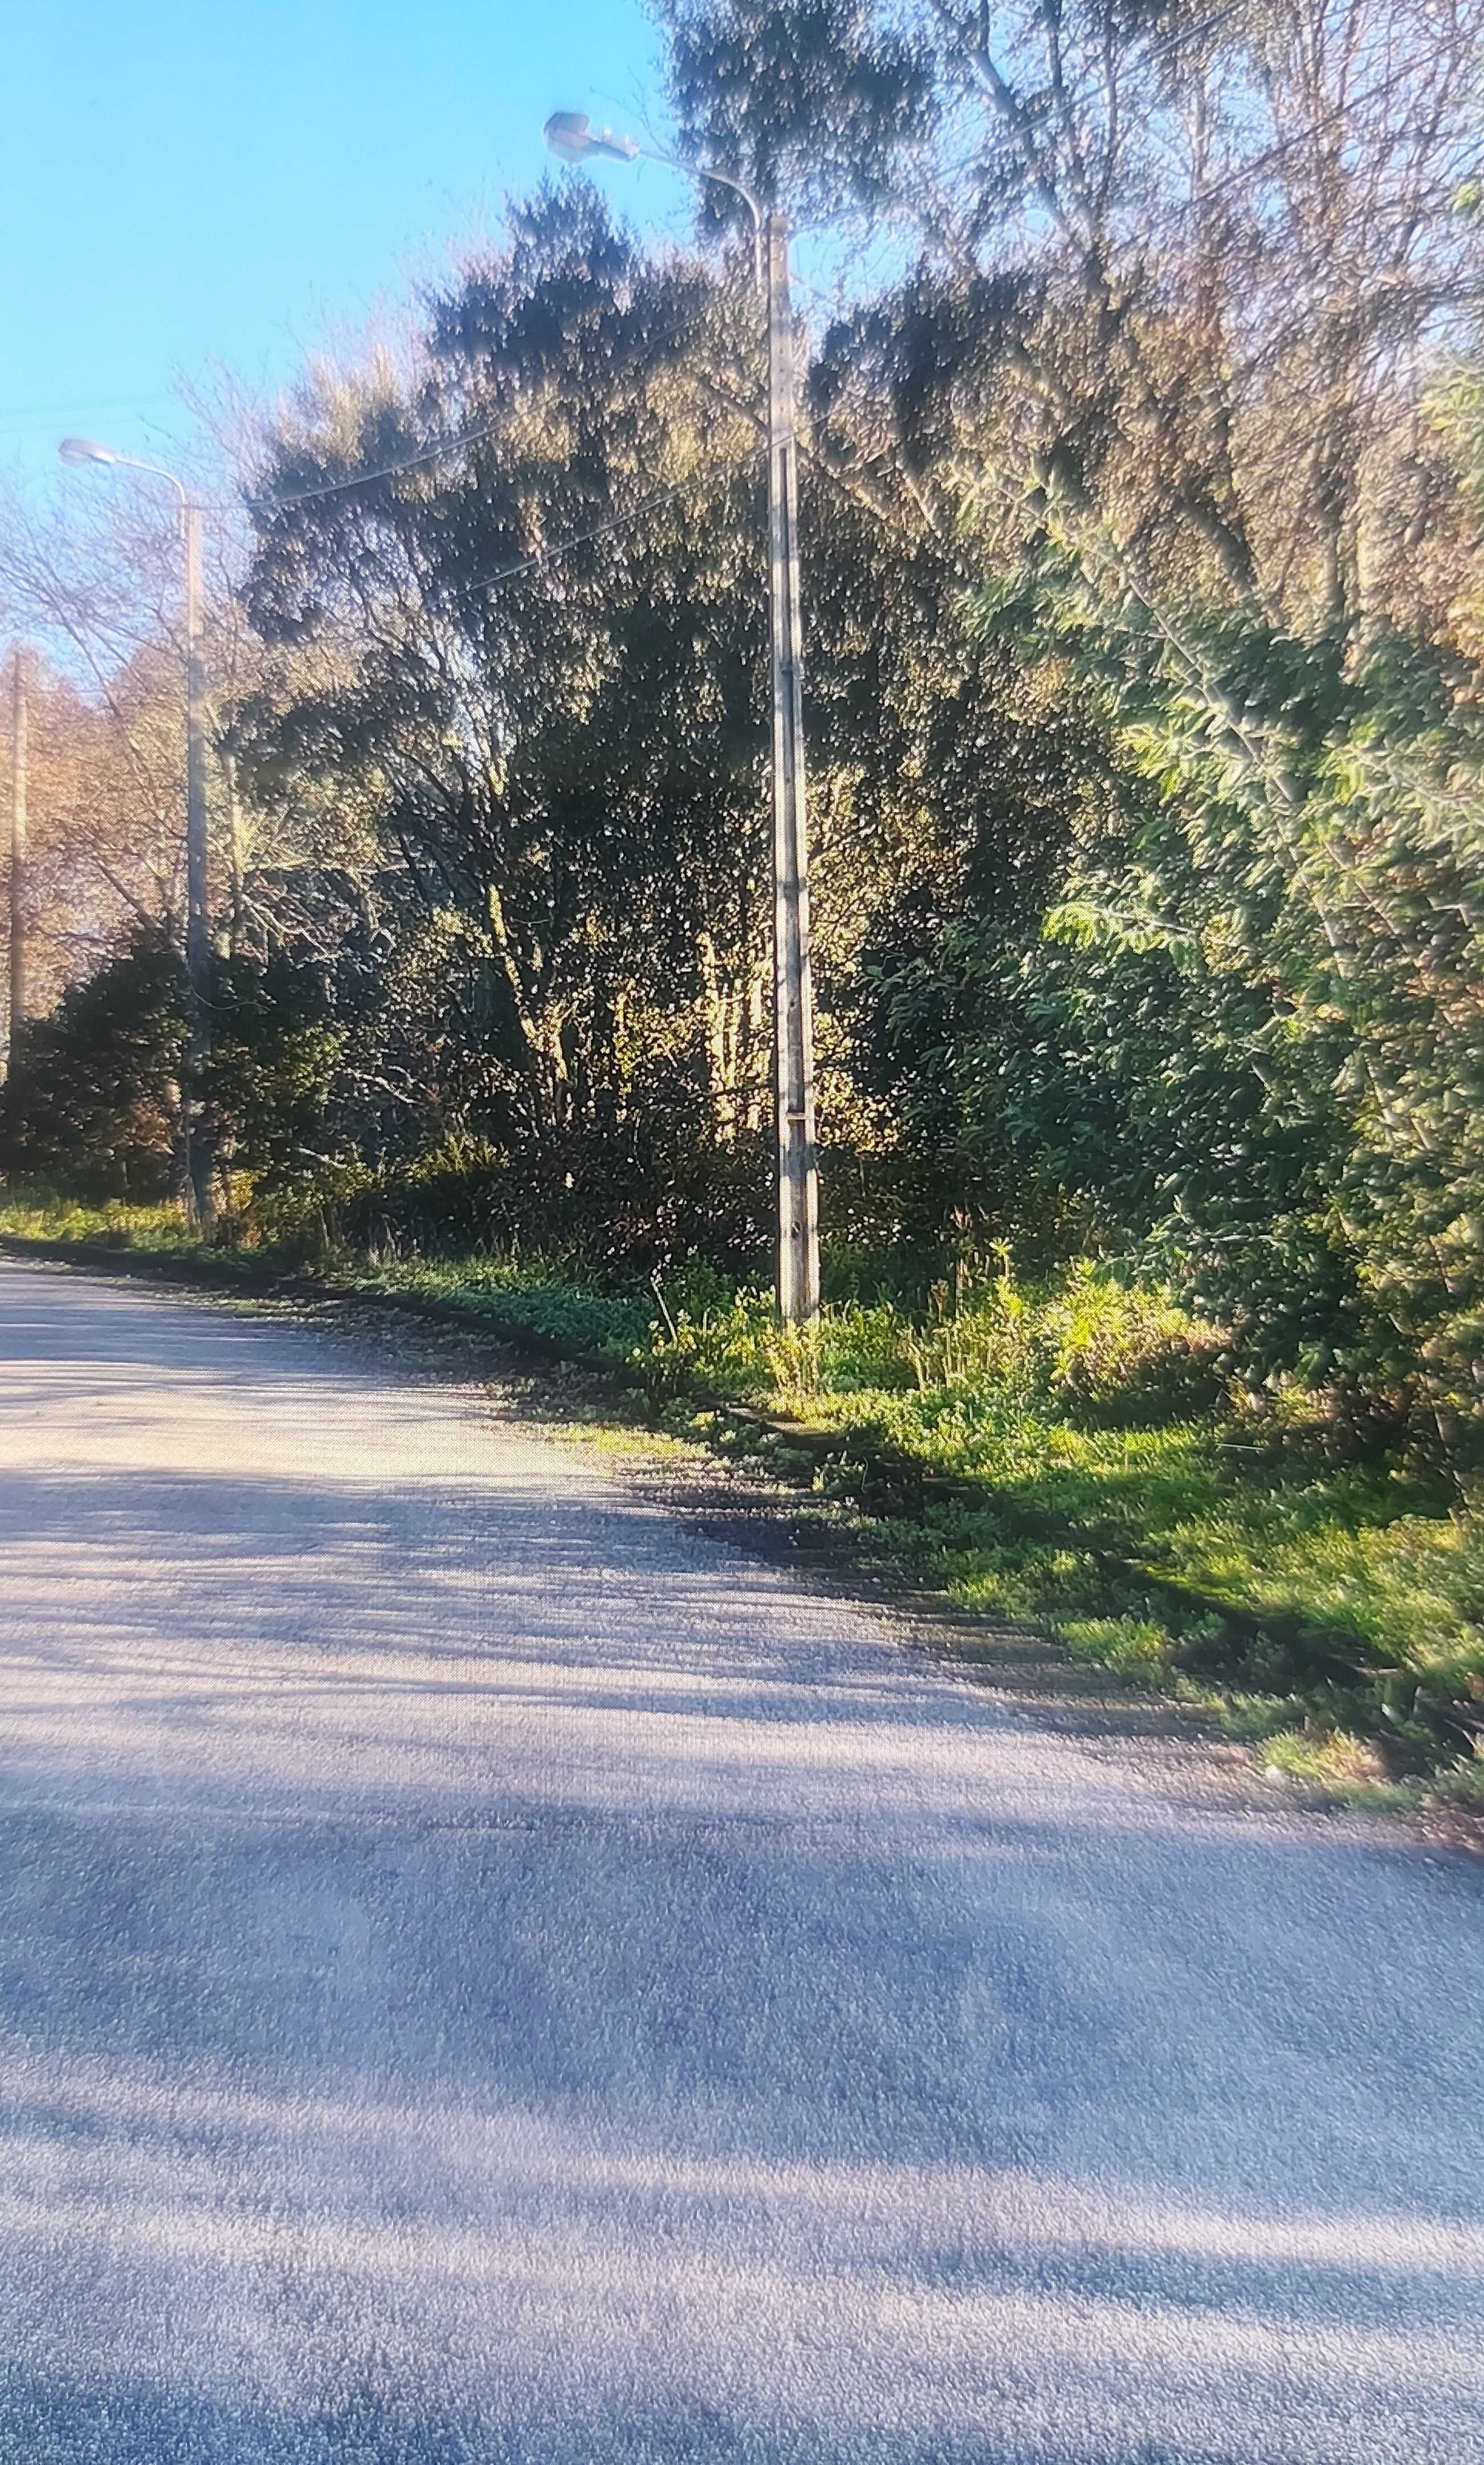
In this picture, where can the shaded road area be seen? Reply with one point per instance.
(488, 1974)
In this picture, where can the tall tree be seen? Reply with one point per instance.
(531, 649)
(1159, 382)
(1177, 263)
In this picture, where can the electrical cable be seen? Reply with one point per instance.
(565, 547)
(363, 479)
(410, 461)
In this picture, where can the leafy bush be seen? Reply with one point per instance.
(93, 1091)
(36, 1213)
(731, 1349)
(1122, 1353)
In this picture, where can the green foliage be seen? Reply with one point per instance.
(1104, 1489)
(570, 886)
(1122, 1353)
(1147, 800)
(1264, 990)
(34, 1212)
(1131, 1647)
(536, 1300)
(1225, 1012)
(842, 93)
(91, 1096)
(1339, 1762)
(273, 1056)
(93, 1101)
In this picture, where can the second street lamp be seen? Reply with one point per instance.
(198, 929)
(570, 135)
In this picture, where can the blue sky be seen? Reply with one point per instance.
(185, 182)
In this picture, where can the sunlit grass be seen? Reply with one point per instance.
(1086, 1480)
(43, 1217)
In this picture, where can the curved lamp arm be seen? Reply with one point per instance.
(82, 449)
(571, 135)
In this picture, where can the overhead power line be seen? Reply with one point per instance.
(600, 530)
(671, 330)
(363, 479)
(579, 538)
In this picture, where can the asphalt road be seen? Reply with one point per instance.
(489, 1974)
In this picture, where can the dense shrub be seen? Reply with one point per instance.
(92, 1097)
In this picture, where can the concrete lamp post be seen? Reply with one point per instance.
(76, 451)
(570, 135)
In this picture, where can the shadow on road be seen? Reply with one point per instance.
(486, 1974)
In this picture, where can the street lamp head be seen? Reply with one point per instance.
(571, 135)
(82, 449)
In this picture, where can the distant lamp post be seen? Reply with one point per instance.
(570, 135)
(76, 450)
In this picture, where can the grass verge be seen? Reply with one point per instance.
(1071, 1460)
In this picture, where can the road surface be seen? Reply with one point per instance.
(488, 1974)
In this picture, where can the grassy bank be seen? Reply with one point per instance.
(1072, 1458)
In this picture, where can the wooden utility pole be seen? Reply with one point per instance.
(18, 886)
(798, 1176)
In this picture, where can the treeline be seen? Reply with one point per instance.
(1143, 599)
